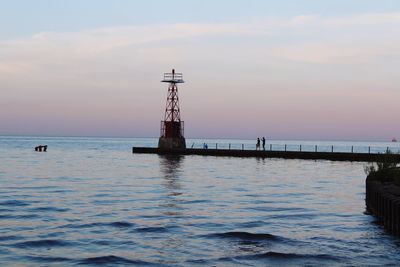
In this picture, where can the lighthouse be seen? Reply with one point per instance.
(172, 127)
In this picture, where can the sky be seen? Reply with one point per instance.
(299, 69)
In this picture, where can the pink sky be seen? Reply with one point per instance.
(302, 77)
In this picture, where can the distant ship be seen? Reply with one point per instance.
(394, 140)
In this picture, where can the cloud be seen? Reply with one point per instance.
(371, 19)
(103, 39)
(338, 52)
(309, 38)
(15, 67)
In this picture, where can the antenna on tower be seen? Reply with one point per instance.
(172, 127)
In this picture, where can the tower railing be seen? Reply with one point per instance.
(173, 77)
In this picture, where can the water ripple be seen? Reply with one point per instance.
(246, 236)
(111, 259)
(48, 259)
(154, 229)
(285, 256)
(20, 216)
(14, 203)
(49, 209)
(10, 237)
(98, 225)
(47, 243)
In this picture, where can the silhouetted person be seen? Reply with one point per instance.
(258, 143)
(263, 143)
(45, 148)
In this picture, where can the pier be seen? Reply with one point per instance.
(173, 142)
(306, 155)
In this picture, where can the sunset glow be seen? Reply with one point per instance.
(307, 74)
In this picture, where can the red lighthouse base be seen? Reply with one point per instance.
(172, 143)
(172, 135)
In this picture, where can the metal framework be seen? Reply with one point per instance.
(172, 126)
(172, 111)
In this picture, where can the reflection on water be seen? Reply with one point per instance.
(170, 166)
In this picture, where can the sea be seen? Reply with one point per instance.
(90, 201)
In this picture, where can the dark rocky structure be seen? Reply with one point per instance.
(41, 148)
(383, 201)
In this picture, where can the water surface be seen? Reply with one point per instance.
(90, 201)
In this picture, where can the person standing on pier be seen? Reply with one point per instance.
(263, 142)
(258, 143)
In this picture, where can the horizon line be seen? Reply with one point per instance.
(210, 138)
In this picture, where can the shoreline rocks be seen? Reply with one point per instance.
(383, 200)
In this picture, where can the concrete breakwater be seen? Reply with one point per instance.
(334, 156)
(383, 201)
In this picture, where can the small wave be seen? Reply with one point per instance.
(9, 237)
(2, 217)
(61, 191)
(278, 209)
(195, 201)
(111, 259)
(105, 215)
(198, 261)
(225, 261)
(207, 225)
(105, 202)
(250, 224)
(152, 229)
(6, 210)
(287, 256)
(4, 251)
(98, 224)
(102, 242)
(109, 242)
(42, 243)
(246, 236)
(80, 226)
(262, 202)
(23, 188)
(49, 209)
(121, 224)
(102, 195)
(295, 216)
(21, 216)
(14, 203)
(47, 259)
